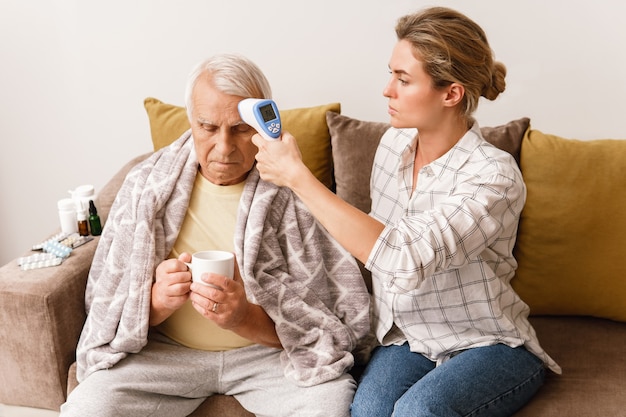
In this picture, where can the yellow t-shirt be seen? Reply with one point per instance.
(208, 224)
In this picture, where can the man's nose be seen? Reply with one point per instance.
(225, 142)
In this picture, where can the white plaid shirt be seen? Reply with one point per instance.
(442, 267)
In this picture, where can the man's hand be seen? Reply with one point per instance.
(225, 303)
(170, 289)
(223, 300)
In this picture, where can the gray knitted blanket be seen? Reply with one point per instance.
(308, 284)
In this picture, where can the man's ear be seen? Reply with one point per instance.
(455, 94)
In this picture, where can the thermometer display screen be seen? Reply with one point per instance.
(267, 111)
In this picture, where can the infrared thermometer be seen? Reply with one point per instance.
(262, 115)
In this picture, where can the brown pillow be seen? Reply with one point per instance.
(354, 144)
(508, 137)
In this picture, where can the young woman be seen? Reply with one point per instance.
(454, 336)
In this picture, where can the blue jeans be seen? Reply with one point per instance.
(486, 381)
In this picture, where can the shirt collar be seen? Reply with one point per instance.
(458, 155)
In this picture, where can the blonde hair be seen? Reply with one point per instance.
(231, 74)
(454, 49)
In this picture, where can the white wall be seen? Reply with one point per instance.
(74, 73)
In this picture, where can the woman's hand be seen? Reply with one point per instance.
(279, 161)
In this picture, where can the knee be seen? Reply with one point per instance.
(331, 398)
(89, 400)
(422, 404)
(365, 405)
(403, 407)
(80, 406)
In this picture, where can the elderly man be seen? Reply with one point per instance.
(278, 336)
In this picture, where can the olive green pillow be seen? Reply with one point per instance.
(572, 235)
(308, 125)
(167, 122)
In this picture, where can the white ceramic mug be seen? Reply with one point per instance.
(215, 261)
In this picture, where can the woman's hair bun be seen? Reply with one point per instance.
(498, 84)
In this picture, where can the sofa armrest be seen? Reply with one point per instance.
(41, 317)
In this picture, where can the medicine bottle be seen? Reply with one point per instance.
(67, 216)
(83, 226)
(82, 194)
(94, 220)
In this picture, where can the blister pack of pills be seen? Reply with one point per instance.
(38, 260)
(57, 248)
(73, 241)
(53, 251)
(57, 238)
(38, 257)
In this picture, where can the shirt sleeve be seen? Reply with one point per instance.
(465, 224)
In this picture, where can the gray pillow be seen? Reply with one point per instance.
(354, 144)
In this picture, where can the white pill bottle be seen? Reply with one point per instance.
(67, 215)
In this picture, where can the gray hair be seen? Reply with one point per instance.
(231, 74)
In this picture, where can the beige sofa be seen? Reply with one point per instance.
(571, 236)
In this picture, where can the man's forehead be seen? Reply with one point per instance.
(207, 121)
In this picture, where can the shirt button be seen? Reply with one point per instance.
(428, 171)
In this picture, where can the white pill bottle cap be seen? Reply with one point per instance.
(81, 196)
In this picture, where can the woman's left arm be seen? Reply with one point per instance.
(477, 220)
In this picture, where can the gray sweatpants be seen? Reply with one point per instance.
(167, 379)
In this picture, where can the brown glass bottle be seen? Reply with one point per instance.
(83, 226)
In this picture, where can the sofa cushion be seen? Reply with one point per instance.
(590, 351)
(307, 124)
(354, 144)
(572, 233)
